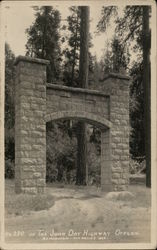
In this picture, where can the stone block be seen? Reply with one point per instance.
(40, 87)
(115, 157)
(26, 175)
(117, 170)
(28, 183)
(41, 141)
(37, 175)
(29, 190)
(29, 168)
(41, 190)
(37, 147)
(122, 181)
(30, 161)
(116, 175)
(115, 181)
(43, 95)
(28, 85)
(24, 132)
(40, 182)
(37, 134)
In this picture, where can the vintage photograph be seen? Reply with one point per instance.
(78, 160)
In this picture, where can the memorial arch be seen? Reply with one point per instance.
(37, 102)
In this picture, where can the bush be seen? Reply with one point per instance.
(9, 169)
(137, 166)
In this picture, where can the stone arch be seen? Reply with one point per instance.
(37, 102)
(91, 118)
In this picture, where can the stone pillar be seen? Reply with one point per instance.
(117, 86)
(30, 126)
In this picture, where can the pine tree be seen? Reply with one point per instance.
(116, 57)
(134, 26)
(43, 39)
(71, 53)
(82, 172)
(9, 112)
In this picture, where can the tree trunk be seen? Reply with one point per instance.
(147, 91)
(74, 55)
(82, 172)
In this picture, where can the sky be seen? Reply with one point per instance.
(18, 16)
(17, 20)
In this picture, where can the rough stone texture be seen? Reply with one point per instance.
(76, 103)
(117, 87)
(37, 102)
(30, 127)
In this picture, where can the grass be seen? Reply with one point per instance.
(78, 209)
(19, 204)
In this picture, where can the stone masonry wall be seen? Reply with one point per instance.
(30, 128)
(117, 86)
(81, 103)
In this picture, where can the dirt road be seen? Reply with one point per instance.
(85, 215)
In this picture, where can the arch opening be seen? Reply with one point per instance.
(60, 169)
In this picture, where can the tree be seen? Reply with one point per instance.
(43, 39)
(9, 112)
(72, 52)
(116, 57)
(134, 26)
(137, 133)
(147, 92)
(82, 174)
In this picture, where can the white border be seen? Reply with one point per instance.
(153, 243)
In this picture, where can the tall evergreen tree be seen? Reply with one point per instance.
(116, 57)
(43, 39)
(81, 176)
(134, 26)
(71, 53)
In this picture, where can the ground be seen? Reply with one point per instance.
(78, 214)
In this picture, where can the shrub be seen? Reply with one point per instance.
(9, 169)
(136, 166)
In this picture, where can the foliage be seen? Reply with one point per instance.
(61, 150)
(116, 57)
(43, 39)
(71, 53)
(61, 154)
(129, 31)
(9, 112)
(129, 27)
(106, 14)
(9, 168)
(137, 165)
(137, 145)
